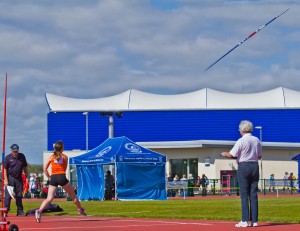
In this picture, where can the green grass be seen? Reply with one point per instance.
(281, 210)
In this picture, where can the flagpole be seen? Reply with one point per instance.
(3, 139)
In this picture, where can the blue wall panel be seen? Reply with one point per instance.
(278, 126)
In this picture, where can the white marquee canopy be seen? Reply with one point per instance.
(135, 100)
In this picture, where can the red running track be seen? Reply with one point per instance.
(79, 223)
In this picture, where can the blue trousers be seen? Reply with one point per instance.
(248, 176)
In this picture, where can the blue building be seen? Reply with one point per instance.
(192, 129)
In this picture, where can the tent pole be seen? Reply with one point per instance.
(116, 194)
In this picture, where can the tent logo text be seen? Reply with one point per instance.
(133, 148)
(104, 151)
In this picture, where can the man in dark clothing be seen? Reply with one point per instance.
(14, 165)
(170, 192)
(170, 177)
(109, 185)
(38, 182)
(204, 184)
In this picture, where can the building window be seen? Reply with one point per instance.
(185, 167)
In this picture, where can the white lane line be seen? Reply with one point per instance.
(105, 226)
(142, 220)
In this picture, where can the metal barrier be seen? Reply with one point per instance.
(176, 188)
(230, 187)
(280, 186)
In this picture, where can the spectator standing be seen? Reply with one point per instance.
(109, 185)
(170, 177)
(292, 180)
(285, 181)
(199, 183)
(14, 165)
(176, 178)
(183, 178)
(207, 183)
(44, 191)
(272, 183)
(204, 185)
(25, 185)
(191, 185)
(38, 182)
(32, 186)
(170, 191)
(183, 191)
(175, 192)
(247, 150)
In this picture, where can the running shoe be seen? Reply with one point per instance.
(38, 216)
(242, 224)
(252, 224)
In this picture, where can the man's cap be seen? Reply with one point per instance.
(14, 147)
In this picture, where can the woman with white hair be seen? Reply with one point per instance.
(247, 150)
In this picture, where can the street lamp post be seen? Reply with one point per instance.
(111, 121)
(261, 164)
(86, 130)
(111, 126)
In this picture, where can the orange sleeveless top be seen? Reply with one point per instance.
(59, 166)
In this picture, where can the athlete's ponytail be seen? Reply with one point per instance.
(58, 149)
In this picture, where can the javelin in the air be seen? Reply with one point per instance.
(253, 33)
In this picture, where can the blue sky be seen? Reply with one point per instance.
(91, 49)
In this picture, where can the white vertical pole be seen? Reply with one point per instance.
(86, 130)
(116, 183)
(111, 126)
(261, 160)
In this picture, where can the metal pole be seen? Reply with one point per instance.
(298, 174)
(3, 148)
(261, 160)
(111, 126)
(86, 130)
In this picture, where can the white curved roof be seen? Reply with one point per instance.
(134, 100)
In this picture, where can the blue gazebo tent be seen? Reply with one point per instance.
(297, 158)
(139, 172)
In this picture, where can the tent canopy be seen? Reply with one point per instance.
(120, 149)
(140, 172)
(297, 158)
